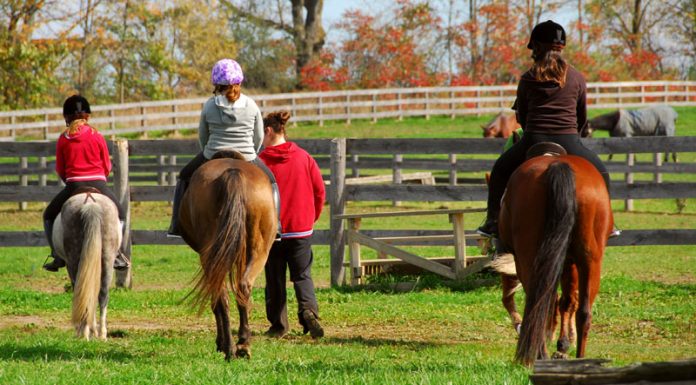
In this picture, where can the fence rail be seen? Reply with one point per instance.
(374, 104)
(145, 170)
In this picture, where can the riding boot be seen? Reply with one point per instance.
(122, 261)
(276, 202)
(57, 262)
(615, 231)
(490, 227)
(174, 230)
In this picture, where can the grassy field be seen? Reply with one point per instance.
(437, 333)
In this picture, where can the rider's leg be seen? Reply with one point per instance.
(122, 260)
(276, 193)
(49, 216)
(181, 186)
(502, 169)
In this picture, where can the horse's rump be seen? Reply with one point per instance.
(501, 126)
(556, 210)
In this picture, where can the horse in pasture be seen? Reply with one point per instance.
(228, 217)
(501, 126)
(555, 219)
(648, 121)
(87, 235)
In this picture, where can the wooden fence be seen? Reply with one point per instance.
(374, 104)
(144, 170)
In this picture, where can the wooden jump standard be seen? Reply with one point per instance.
(462, 265)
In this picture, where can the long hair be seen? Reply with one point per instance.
(231, 92)
(277, 121)
(550, 66)
(75, 121)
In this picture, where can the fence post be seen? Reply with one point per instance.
(321, 112)
(43, 177)
(161, 174)
(142, 122)
(337, 202)
(401, 111)
(122, 190)
(374, 107)
(657, 161)
(452, 114)
(13, 131)
(630, 161)
(45, 127)
(112, 122)
(666, 90)
(348, 109)
(175, 119)
(355, 169)
(396, 173)
(427, 105)
(172, 174)
(453, 169)
(642, 94)
(23, 177)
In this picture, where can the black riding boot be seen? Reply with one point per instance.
(57, 262)
(490, 227)
(174, 230)
(276, 202)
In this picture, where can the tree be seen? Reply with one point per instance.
(306, 30)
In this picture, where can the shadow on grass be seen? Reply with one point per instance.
(400, 284)
(58, 352)
(416, 346)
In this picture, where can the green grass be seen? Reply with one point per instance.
(437, 333)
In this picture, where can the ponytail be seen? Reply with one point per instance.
(550, 66)
(231, 92)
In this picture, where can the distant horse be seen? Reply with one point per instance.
(228, 217)
(649, 121)
(87, 235)
(501, 126)
(555, 218)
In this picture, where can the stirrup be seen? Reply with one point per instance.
(615, 232)
(54, 265)
(121, 262)
(489, 229)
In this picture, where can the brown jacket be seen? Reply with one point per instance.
(545, 107)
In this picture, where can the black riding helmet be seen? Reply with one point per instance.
(548, 32)
(76, 104)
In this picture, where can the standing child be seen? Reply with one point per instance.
(302, 197)
(82, 160)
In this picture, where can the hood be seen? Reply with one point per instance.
(79, 135)
(280, 153)
(227, 108)
(548, 87)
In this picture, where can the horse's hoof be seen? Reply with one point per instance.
(559, 356)
(243, 352)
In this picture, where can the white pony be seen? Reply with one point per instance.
(87, 236)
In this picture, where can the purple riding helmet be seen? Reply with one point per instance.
(226, 72)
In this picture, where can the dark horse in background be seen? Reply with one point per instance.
(555, 219)
(649, 121)
(501, 126)
(228, 217)
(87, 235)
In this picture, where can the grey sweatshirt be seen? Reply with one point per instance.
(227, 126)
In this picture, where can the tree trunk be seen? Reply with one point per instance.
(308, 32)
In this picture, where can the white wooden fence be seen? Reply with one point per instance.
(183, 114)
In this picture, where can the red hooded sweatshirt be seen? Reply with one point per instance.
(82, 156)
(301, 187)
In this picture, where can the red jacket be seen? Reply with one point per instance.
(82, 156)
(301, 187)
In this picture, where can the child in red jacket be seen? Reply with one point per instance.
(82, 160)
(302, 196)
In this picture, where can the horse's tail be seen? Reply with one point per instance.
(227, 254)
(88, 280)
(561, 208)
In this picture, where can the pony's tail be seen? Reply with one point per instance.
(227, 254)
(87, 282)
(561, 208)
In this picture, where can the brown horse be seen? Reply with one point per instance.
(556, 218)
(228, 217)
(501, 126)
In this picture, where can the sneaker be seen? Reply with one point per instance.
(615, 232)
(488, 229)
(121, 262)
(54, 265)
(311, 324)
